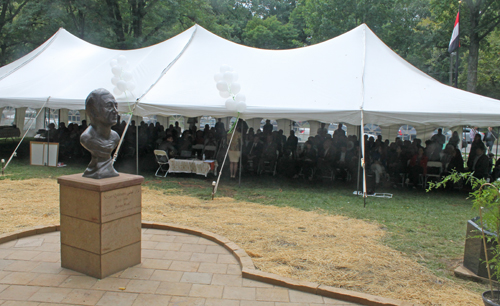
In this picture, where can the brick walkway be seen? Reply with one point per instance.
(176, 269)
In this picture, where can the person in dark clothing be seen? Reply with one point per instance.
(252, 153)
(480, 164)
(291, 144)
(167, 145)
(268, 128)
(456, 161)
(418, 166)
(307, 160)
(477, 142)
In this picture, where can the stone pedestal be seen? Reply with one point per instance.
(100, 223)
(474, 257)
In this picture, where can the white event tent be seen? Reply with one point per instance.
(343, 79)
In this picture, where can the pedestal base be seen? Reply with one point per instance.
(100, 223)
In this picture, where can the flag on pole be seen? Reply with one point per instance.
(455, 41)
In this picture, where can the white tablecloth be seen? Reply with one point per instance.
(192, 166)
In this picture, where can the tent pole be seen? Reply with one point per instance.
(359, 164)
(48, 140)
(137, 149)
(363, 156)
(241, 154)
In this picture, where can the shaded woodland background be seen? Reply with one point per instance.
(418, 30)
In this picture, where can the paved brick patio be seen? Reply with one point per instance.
(176, 269)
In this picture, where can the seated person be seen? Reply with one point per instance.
(167, 145)
(185, 142)
(453, 160)
(395, 160)
(252, 153)
(480, 163)
(417, 166)
(307, 160)
(477, 142)
(326, 158)
(268, 153)
(378, 162)
(199, 140)
(344, 161)
(286, 164)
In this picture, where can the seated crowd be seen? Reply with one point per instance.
(322, 156)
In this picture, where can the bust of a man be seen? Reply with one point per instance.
(98, 138)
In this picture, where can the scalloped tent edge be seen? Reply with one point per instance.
(339, 80)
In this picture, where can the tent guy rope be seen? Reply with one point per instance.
(233, 129)
(131, 113)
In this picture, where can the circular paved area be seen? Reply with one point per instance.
(176, 269)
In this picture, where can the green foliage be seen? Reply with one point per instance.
(488, 74)
(281, 9)
(486, 201)
(418, 30)
(269, 33)
(478, 19)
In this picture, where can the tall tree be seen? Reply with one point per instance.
(138, 23)
(479, 18)
(269, 33)
(266, 8)
(17, 20)
(231, 18)
(488, 72)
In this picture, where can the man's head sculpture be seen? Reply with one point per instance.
(98, 138)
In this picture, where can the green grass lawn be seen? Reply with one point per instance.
(427, 226)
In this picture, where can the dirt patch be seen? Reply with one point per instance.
(313, 246)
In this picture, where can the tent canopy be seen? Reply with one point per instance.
(334, 81)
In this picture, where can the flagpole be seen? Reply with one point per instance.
(458, 48)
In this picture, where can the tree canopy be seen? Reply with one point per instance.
(418, 30)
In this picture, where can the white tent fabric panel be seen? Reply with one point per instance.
(398, 93)
(333, 81)
(298, 84)
(69, 68)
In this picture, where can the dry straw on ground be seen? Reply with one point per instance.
(312, 246)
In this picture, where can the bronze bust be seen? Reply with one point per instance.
(98, 138)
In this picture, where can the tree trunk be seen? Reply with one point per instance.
(116, 21)
(473, 51)
(137, 9)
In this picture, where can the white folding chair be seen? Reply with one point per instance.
(162, 160)
(434, 170)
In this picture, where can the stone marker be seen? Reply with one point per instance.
(100, 223)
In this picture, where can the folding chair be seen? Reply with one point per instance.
(162, 160)
(268, 167)
(434, 170)
(210, 152)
